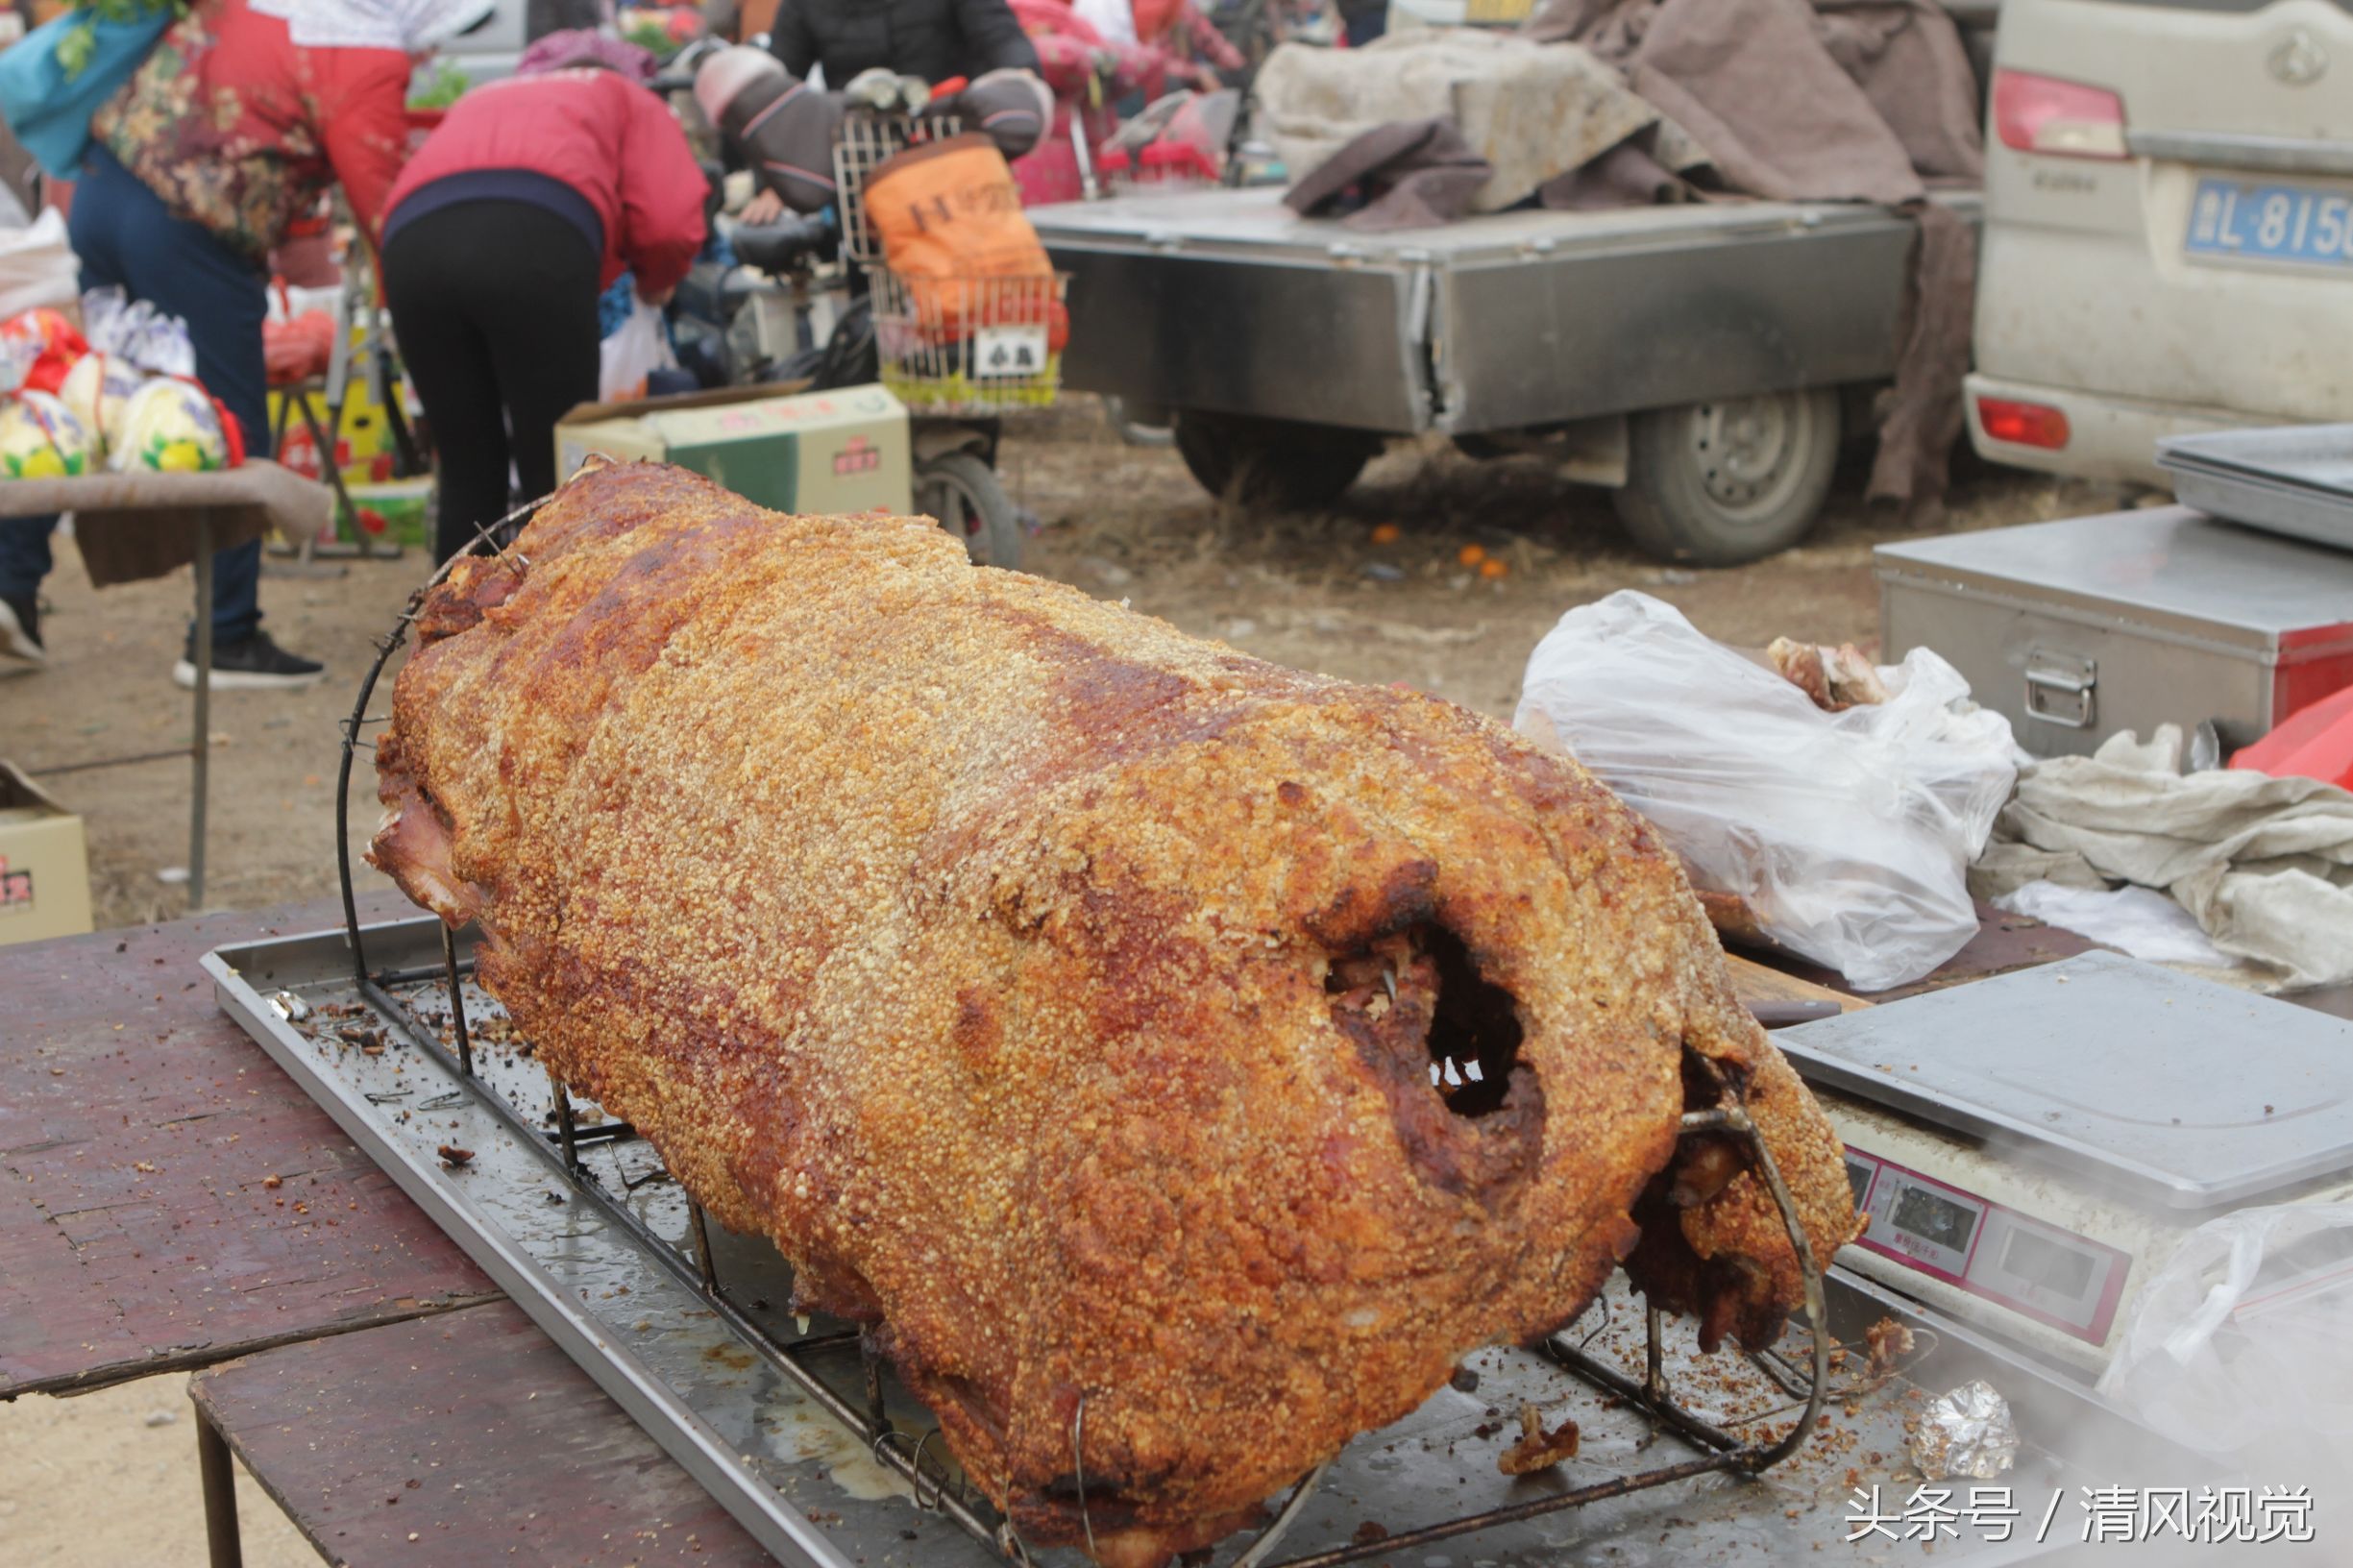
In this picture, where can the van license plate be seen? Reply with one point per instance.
(2234, 220)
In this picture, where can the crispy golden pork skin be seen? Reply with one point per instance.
(1062, 993)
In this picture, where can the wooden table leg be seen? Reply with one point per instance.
(201, 752)
(220, 1482)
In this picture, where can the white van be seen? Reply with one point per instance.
(2169, 228)
(490, 51)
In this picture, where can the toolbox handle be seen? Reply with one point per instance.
(2059, 689)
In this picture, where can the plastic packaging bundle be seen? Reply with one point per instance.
(40, 439)
(99, 389)
(171, 426)
(135, 331)
(1847, 836)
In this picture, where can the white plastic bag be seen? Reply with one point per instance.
(2243, 1343)
(38, 266)
(138, 333)
(1848, 835)
(635, 352)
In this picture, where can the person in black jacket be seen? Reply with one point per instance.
(933, 39)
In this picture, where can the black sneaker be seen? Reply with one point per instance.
(20, 636)
(254, 664)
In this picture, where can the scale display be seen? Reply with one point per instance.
(1991, 1251)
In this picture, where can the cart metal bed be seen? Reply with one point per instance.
(1700, 359)
(1225, 300)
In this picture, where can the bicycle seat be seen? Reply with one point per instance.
(775, 247)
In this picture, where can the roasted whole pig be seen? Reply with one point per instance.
(1096, 1014)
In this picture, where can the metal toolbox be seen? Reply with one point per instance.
(2082, 628)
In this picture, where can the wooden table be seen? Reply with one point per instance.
(376, 1384)
(466, 1437)
(140, 1232)
(140, 523)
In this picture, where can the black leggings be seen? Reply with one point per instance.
(495, 306)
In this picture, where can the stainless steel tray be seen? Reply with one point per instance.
(610, 1269)
(2297, 479)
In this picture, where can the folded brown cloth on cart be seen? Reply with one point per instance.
(1842, 100)
(1418, 174)
(1529, 109)
(131, 527)
(1628, 175)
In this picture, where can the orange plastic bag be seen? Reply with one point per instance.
(949, 218)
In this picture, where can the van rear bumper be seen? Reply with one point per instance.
(2109, 438)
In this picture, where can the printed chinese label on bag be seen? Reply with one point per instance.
(1001, 351)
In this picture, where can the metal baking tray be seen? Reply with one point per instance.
(608, 1268)
(2297, 479)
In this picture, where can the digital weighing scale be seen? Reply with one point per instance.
(2030, 1150)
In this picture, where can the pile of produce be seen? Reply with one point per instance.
(117, 391)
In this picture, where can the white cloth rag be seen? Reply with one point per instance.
(2264, 864)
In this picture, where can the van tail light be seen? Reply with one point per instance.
(2063, 119)
(2023, 424)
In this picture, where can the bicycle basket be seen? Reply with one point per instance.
(969, 345)
(868, 140)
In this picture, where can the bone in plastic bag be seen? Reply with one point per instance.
(1847, 835)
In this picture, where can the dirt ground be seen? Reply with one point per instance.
(1118, 521)
(109, 1480)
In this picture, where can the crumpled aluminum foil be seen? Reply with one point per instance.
(1968, 1432)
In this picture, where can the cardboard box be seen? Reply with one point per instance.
(845, 451)
(44, 864)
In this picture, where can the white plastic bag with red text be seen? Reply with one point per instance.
(1847, 835)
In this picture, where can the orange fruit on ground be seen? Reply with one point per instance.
(1471, 554)
(1387, 533)
(1492, 568)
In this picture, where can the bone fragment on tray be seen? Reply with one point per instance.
(1090, 1011)
(1536, 1447)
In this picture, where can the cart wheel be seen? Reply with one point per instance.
(1276, 463)
(1723, 483)
(962, 494)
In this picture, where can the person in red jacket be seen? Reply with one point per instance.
(242, 117)
(513, 218)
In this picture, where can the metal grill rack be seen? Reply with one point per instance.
(426, 1007)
